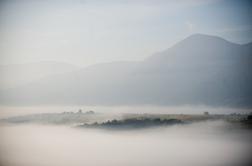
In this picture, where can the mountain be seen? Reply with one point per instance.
(199, 70)
(20, 74)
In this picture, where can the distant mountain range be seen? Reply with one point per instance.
(199, 70)
(21, 74)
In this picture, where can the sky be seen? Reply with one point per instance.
(86, 32)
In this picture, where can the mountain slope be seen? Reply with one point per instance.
(21, 74)
(201, 69)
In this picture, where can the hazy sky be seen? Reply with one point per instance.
(85, 32)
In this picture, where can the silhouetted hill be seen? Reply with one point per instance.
(199, 70)
(21, 74)
(133, 123)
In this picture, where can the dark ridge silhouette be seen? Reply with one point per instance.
(133, 123)
(199, 70)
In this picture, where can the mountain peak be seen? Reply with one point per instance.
(197, 46)
(203, 35)
(198, 37)
(203, 42)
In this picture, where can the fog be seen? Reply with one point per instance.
(211, 143)
(6, 112)
(69, 68)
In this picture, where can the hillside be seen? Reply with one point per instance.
(21, 74)
(199, 70)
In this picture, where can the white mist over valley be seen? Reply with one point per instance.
(210, 143)
(125, 83)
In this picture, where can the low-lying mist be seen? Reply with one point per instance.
(209, 143)
(6, 111)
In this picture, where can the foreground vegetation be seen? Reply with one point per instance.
(133, 123)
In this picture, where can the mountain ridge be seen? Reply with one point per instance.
(14, 75)
(218, 78)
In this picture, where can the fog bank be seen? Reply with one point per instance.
(8, 111)
(199, 144)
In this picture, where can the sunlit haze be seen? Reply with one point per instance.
(125, 82)
(91, 31)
